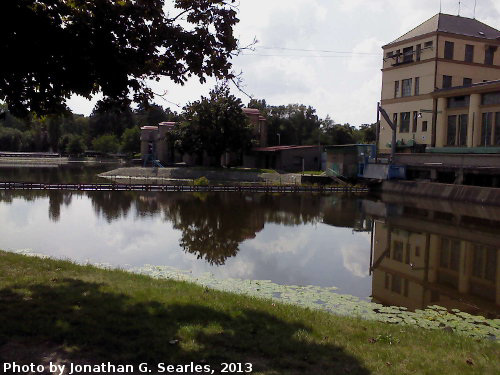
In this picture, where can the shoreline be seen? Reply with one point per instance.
(84, 314)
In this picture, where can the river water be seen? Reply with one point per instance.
(388, 249)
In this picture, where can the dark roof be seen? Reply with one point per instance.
(348, 145)
(282, 148)
(451, 24)
(466, 26)
(476, 87)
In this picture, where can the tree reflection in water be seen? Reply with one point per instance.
(212, 225)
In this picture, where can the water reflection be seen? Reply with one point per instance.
(406, 252)
(212, 225)
(77, 172)
(436, 253)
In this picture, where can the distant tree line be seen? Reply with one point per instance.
(109, 129)
(212, 125)
(297, 124)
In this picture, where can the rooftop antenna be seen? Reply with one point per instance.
(439, 6)
(459, 7)
(475, 2)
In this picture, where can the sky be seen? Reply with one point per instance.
(289, 65)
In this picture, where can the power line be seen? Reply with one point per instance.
(315, 56)
(320, 50)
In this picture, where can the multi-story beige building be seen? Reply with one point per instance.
(441, 85)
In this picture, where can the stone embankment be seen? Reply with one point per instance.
(457, 193)
(187, 175)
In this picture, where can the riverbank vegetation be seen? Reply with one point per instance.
(91, 314)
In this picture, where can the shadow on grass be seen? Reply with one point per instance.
(105, 326)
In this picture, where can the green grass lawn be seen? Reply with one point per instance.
(98, 315)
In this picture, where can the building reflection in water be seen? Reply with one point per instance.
(430, 252)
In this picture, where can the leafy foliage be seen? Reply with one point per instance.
(214, 125)
(87, 46)
(298, 124)
(107, 143)
(75, 145)
(131, 140)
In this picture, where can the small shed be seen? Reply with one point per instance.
(285, 158)
(348, 161)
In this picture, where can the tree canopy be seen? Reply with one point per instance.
(55, 48)
(215, 125)
(298, 124)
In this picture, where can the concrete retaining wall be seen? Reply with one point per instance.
(458, 193)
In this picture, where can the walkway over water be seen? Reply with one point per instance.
(152, 187)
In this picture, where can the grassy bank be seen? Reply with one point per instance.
(93, 315)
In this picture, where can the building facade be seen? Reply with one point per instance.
(440, 85)
(157, 145)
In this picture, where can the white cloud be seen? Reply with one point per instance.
(356, 258)
(345, 86)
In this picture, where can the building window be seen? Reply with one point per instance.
(397, 54)
(396, 89)
(491, 98)
(451, 132)
(462, 129)
(414, 124)
(469, 53)
(417, 85)
(497, 129)
(396, 284)
(397, 251)
(418, 52)
(389, 54)
(406, 87)
(449, 254)
(408, 55)
(424, 126)
(490, 131)
(457, 135)
(448, 50)
(484, 262)
(489, 55)
(459, 101)
(486, 128)
(467, 81)
(428, 44)
(405, 122)
(395, 119)
(446, 82)
(406, 287)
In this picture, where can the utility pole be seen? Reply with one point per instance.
(393, 127)
(377, 132)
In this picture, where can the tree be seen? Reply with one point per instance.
(131, 140)
(10, 139)
(367, 133)
(296, 124)
(88, 46)
(107, 143)
(154, 114)
(110, 118)
(75, 145)
(214, 125)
